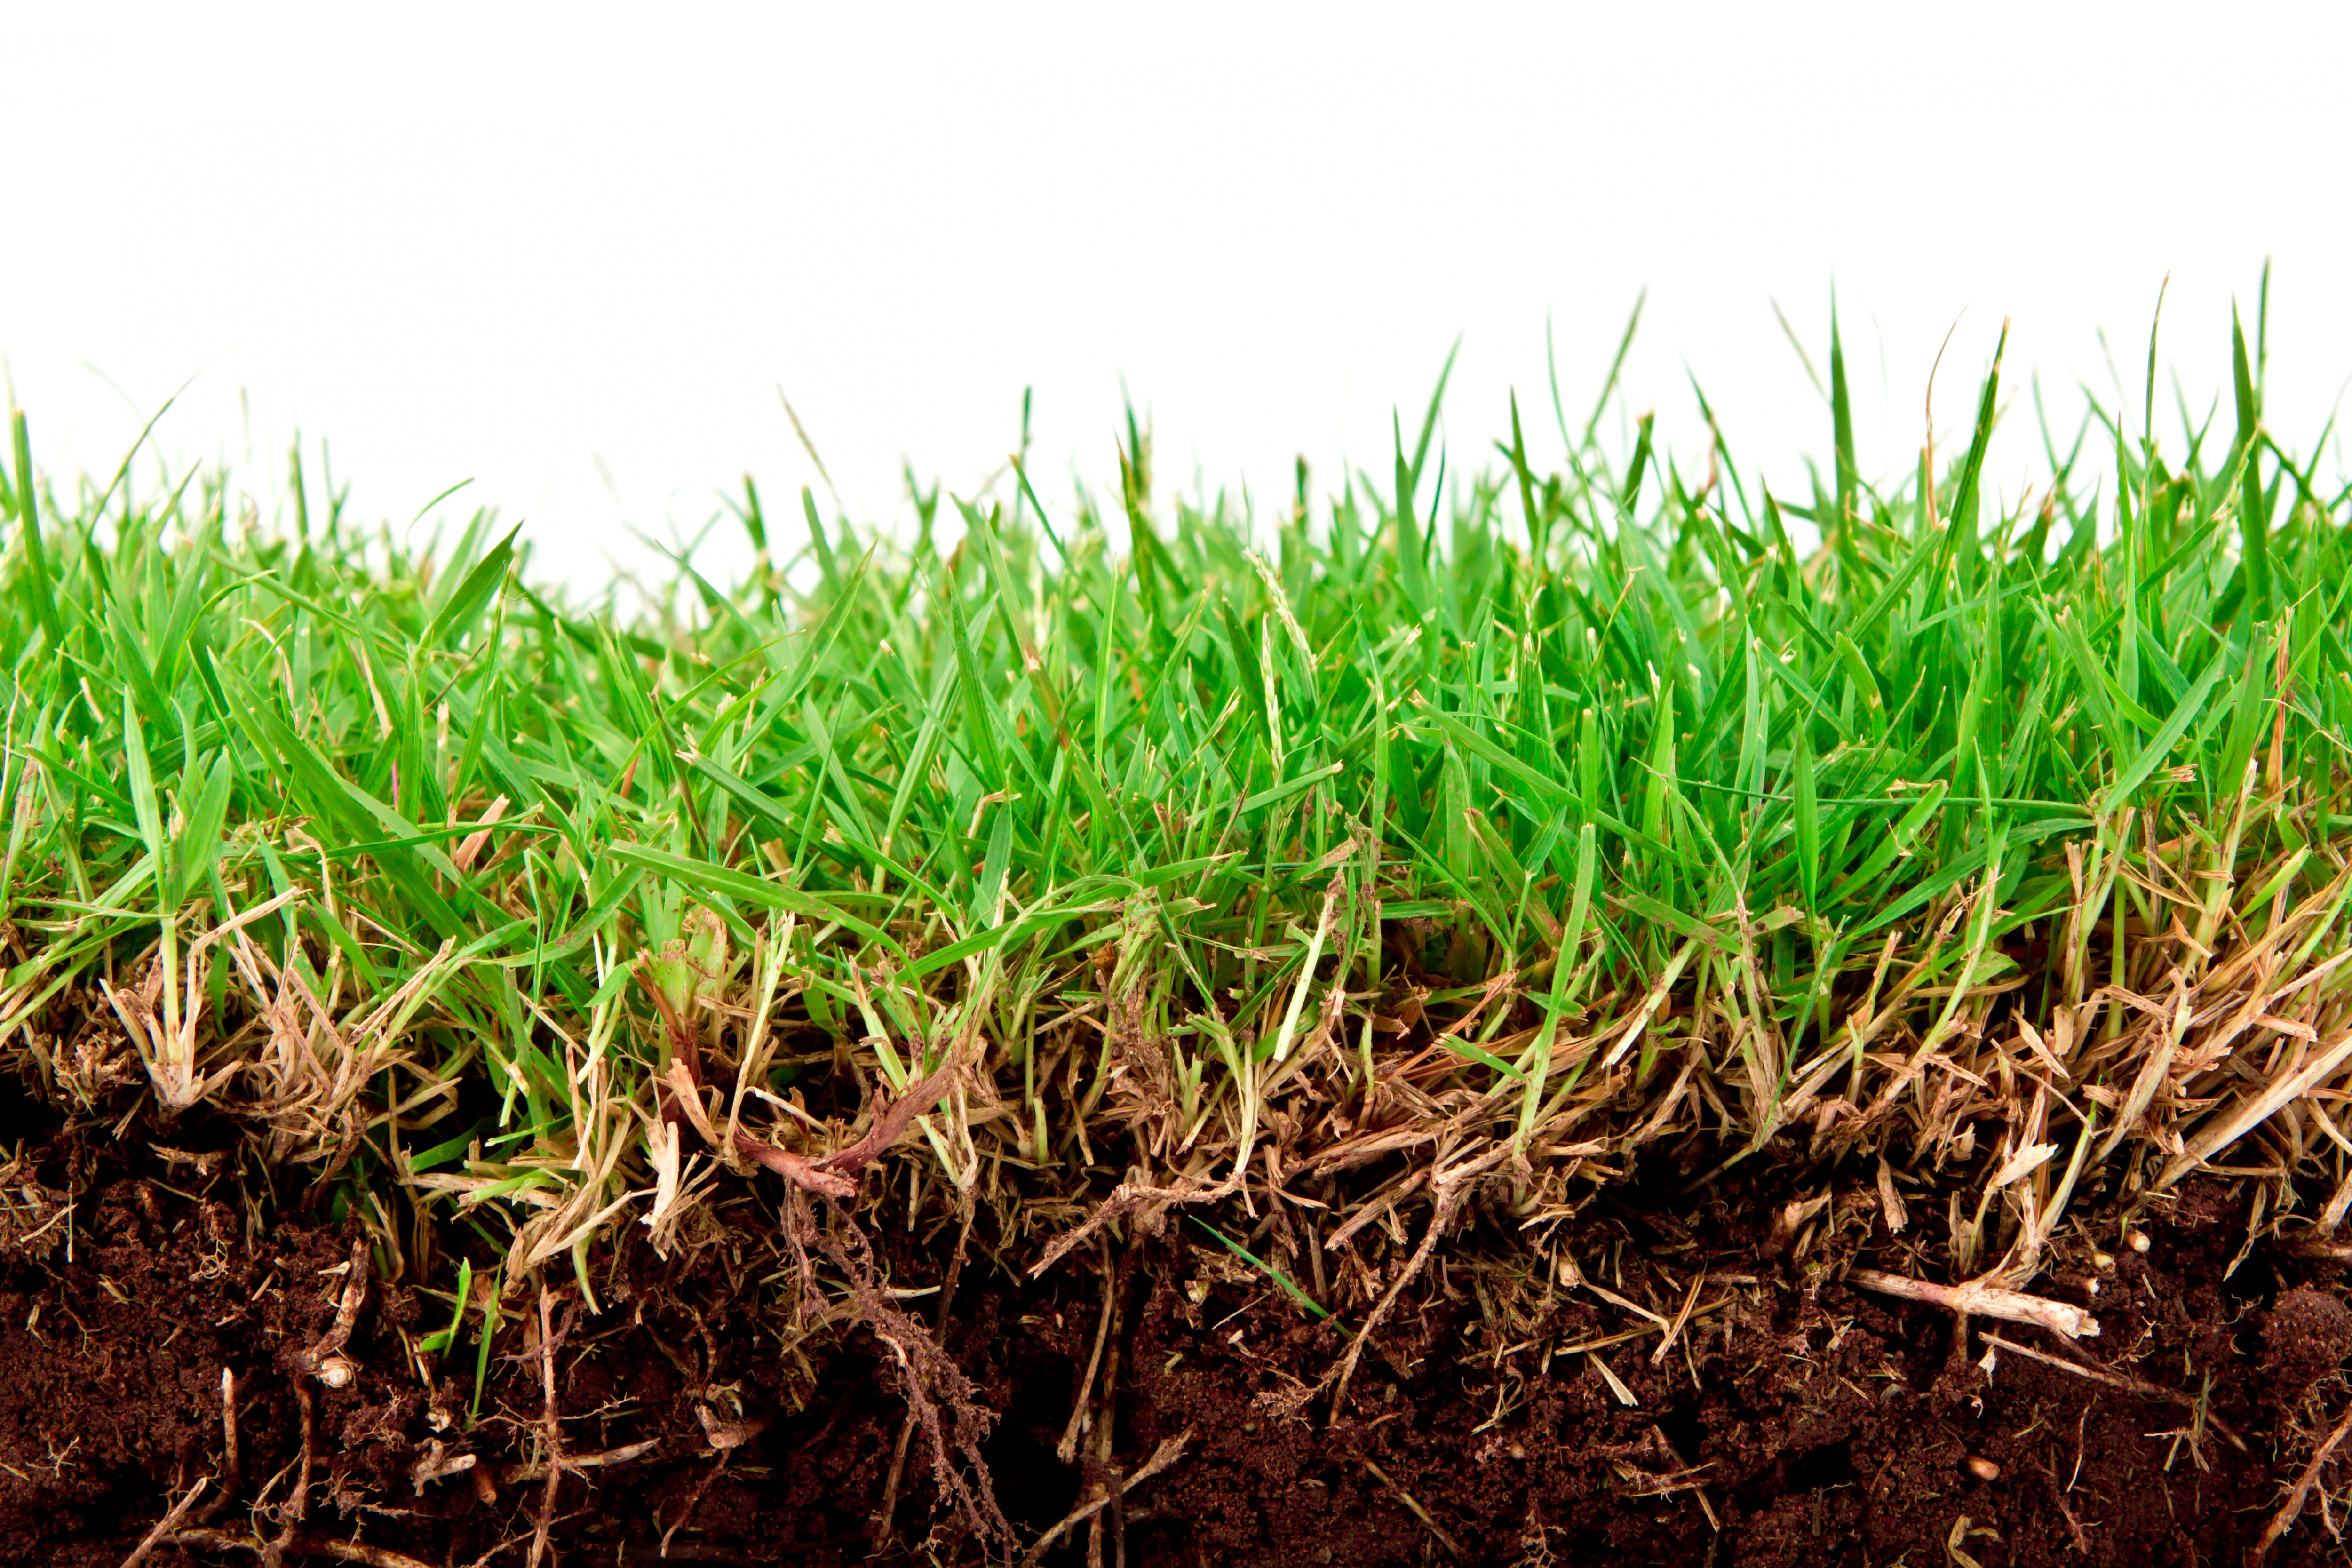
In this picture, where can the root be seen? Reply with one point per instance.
(322, 1358)
(1453, 1188)
(169, 1523)
(1428, 1519)
(300, 1545)
(721, 1433)
(232, 1472)
(550, 1428)
(297, 1507)
(1066, 1450)
(232, 1466)
(2292, 1509)
(538, 1469)
(886, 1516)
(439, 1464)
(1163, 1459)
(694, 1500)
(1124, 1200)
(2119, 1382)
(929, 1379)
(1981, 1299)
(1109, 1483)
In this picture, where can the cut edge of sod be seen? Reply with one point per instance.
(1333, 868)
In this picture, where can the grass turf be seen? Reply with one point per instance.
(1483, 834)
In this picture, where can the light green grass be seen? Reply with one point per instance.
(1538, 814)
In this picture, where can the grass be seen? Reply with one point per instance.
(1485, 831)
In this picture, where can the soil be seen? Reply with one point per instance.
(1779, 1416)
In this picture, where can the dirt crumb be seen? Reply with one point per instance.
(2306, 1336)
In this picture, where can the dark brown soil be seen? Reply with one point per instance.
(1792, 1419)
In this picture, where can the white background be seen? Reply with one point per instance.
(572, 254)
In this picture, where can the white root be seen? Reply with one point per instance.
(169, 1523)
(1978, 1298)
(323, 1358)
(537, 1469)
(438, 1463)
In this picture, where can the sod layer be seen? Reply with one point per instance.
(1592, 920)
